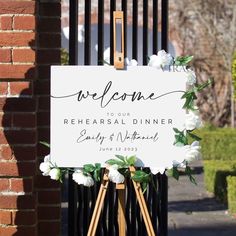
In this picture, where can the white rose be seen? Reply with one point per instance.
(132, 62)
(155, 61)
(82, 179)
(45, 167)
(192, 120)
(193, 151)
(46, 158)
(157, 170)
(55, 173)
(191, 77)
(160, 60)
(166, 58)
(114, 175)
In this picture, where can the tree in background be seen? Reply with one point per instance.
(207, 30)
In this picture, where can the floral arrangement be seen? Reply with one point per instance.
(119, 166)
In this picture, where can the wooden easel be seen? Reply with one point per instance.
(119, 64)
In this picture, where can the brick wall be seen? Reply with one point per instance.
(29, 44)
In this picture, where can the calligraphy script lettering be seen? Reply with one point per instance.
(106, 98)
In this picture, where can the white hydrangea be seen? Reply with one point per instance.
(193, 151)
(192, 120)
(55, 173)
(160, 60)
(114, 175)
(82, 179)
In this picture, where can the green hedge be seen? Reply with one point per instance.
(231, 182)
(215, 174)
(218, 143)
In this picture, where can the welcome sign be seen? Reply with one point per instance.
(98, 112)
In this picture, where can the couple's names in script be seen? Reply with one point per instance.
(116, 136)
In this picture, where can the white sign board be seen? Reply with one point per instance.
(98, 112)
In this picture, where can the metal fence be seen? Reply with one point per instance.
(81, 200)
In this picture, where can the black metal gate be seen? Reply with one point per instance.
(82, 199)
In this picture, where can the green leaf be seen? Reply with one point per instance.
(188, 171)
(45, 144)
(194, 136)
(181, 138)
(132, 160)
(122, 158)
(183, 60)
(175, 173)
(176, 130)
(141, 176)
(144, 186)
(88, 168)
(116, 162)
(204, 85)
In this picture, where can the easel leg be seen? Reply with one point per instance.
(98, 205)
(143, 206)
(121, 209)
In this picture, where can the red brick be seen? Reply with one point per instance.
(17, 7)
(21, 88)
(6, 23)
(17, 136)
(4, 184)
(5, 55)
(49, 228)
(24, 153)
(49, 25)
(21, 185)
(17, 202)
(19, 231)
(6, 153)
(24, 120)
(48, 56)
(24, 23)
(17, 104)
(3, 88)
(50, 9)
(49, 197)
(17, 39)
(49, 213)
(17, 71)
(24, 218)
(17, 169)
(23, 55)
(49, 40)
(5, 217)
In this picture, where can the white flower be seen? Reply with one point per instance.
(82, 179)
(193, 151)
(160, 60)
(157, 170)
(114, 175)
(45, 166)
(192, 120)
(55, 173)
(132, 62)
(191, 77)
